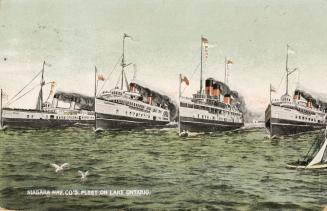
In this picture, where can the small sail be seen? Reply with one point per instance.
(319, 156)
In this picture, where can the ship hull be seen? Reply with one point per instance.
(280, 127)
(281, 122)
(121, 123)
(20, 118)
(45, 123)
(118, 117)
(189, 124)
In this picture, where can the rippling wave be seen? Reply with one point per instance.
(240, 170)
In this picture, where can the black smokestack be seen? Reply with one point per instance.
(316, 100)
(83, 101)
(158, 99)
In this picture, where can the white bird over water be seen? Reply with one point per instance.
(83, 175)
(60, 168)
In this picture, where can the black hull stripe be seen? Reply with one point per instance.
(120, 120)
(209, 126)
(43, 123)
(116, 117)
(293, 122)
(208, 121)
(112, 122)
(289, 127)
(297, 125)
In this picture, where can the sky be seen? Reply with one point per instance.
(75, 36)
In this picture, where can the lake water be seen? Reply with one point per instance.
(231, 171)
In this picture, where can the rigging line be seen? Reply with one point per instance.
(192, 75)
(318, 141)
(280, 83)
(104, 83)
(9, 101)
(23, 95)
(26, 93)
(314, 143)
(118, 80)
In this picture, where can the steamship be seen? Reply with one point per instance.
(48, 114)
(214, 109)
(120, 109)
(290, 115)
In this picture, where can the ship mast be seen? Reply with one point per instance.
(123, 65)
(95, 94)
(40, 98)
(95, 81)
(225, 78)
(42, 83)
(288, 73)
(201, 66)
(286, 69)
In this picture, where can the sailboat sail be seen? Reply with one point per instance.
(320, 155)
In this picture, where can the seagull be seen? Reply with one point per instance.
(59, 168)
(83, 175)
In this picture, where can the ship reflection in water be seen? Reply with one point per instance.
(228, 171)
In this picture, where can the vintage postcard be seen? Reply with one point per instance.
(163, 105)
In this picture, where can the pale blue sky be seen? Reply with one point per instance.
(75, 35)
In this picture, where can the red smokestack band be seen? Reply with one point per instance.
(227, 99)
(132, 87)
(149, 100)
(209, 87)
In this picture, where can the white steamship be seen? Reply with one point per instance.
(214, 109)
(294, 114)
(47, 114)
(127, 109)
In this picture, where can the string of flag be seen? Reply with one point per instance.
(205, 44)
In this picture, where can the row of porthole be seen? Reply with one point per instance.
(214, 118)
(64, 117)
(137, 114)
(306, 118)
(208, 109)
(139, 106)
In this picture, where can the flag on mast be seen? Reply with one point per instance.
(185, 79)
(53, 84)
(100, 77)
(205, 44)
(272, 88)
(228, 61)
(290, 50)
(47, 64)
(126, 35)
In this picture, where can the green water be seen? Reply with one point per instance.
(230, 171)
